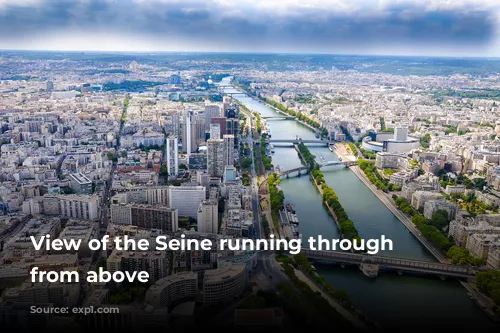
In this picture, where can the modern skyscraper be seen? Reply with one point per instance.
(172, 156)
(228, 149)
(176, 123)
(211, 111)
(215, 131)
(232, 111)
(222, 123)
(232, 126)
(215, 157)
(200, 129)
(186, 133)
(226, 102)
(189, 133)
(208, 217)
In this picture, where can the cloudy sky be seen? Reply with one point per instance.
(418, 27)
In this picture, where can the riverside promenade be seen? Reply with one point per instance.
(388, 202)
(406, 220)
(484, 302)
(350, 316)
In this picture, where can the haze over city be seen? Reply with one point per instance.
(394, 27)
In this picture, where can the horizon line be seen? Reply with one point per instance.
(250, 52)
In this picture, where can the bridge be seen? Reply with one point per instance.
(294, 172)
(304, 170)
(279, 118)
(399, 265)
(220, 88)
(234, 93)
(345, 163)
(296, 142)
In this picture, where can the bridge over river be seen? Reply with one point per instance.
(304, 170)
(388, 263)
(279, 118)
(297, 141)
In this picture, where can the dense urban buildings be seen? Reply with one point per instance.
(146, 147)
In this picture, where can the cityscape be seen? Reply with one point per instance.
(145, 148)
(368, 134)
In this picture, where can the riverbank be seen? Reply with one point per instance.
(320, 191)
(403, 302)
(485, 303)
(261, 100)
(330, 199)
(352, 318)
(404, 219)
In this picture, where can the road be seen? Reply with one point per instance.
(271, 269)
(254, 186)
(486, 303)
(406, 220)
(387, 201)
(109, 183)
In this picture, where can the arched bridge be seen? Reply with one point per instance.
(296, 142)
(294, 172)
(304, 170)
(400, 265)
(346, 163)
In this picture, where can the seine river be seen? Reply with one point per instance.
(390, 300)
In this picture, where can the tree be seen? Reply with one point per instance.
(246, 162)
(440, 219)
(418, 219)
(459, 255)
(164, 172)
(183, 167)
(479, 183)
(489, 282)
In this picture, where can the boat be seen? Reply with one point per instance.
(330, 147)
(369, 270)
(293, 219)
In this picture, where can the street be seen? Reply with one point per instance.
(268, 272)
(254, 186)
(400, 215)
(109, 182)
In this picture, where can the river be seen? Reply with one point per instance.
(392, 301)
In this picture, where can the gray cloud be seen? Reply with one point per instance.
(254, 25)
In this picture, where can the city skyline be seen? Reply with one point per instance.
(423, 28)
